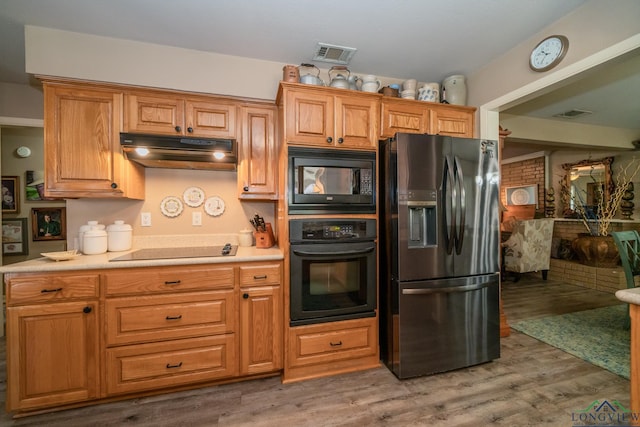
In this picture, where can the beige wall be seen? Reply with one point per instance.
(22, 101)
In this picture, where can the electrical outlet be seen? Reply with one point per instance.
(196, 218)
(145, 219)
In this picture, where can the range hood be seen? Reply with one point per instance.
(176, 152)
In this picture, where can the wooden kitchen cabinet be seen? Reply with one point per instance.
(261, 319)
(258, 155)
(410, 116)
(331, 348)
(327, 117)
(53, 340)
(171, 114)
(82, 144)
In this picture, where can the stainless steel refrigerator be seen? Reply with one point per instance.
(439, 244)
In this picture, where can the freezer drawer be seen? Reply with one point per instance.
(444, 325)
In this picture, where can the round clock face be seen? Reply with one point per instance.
(214, 206)
(548, 53)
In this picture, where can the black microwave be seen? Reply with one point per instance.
(331, 181)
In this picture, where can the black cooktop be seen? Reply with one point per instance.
(186, 252)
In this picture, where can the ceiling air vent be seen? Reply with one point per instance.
(572, 114)
(332, 53)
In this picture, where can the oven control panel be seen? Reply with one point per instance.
(332, 230)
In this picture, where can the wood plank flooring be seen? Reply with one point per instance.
(532, 384)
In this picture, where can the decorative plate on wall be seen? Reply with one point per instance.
(214, 206)
(193, 196)
(171, 206)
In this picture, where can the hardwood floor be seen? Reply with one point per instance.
(532, 384)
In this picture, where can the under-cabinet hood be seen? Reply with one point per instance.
(175, 152)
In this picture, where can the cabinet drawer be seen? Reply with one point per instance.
(328, 342)
(50, 288)
(166, 364)
(168, 279)
(161, 317)
(268, 274)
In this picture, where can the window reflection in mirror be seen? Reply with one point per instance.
(586, 182)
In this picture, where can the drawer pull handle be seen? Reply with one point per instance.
(174, 317)
(263, 276)
(335, 344)
(172, 282)
(170, 366)
(245, 296)
(46, 291)
(87, 310)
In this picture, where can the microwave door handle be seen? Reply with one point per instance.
(325, 254)
(462, 206)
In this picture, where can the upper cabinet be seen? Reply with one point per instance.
(82, 144)
(401, 115)
(171, 114)
(257, 162)
(328, 117)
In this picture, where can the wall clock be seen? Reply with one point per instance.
(548, 53)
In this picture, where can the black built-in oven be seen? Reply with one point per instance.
(333, 269)
(331, 181)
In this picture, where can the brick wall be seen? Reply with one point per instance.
(526, 172)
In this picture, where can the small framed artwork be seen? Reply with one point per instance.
(15, 237)
(524, 195)
(48, 223)
(10, 194)
(34, 186)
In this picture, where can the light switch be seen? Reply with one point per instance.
(145, 219)
(196, 219)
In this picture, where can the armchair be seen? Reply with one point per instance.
(529, 247)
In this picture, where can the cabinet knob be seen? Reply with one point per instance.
(340, 140)
(245, 296)
(178, 129)
(114, 185)
(87, 310)
(245, 188)
(190, 129)
(329, 139)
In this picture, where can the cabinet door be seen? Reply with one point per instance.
(209, 119)
(260, 330)
(52, 354)
(451, 121)
(82, 145)
(309, 119)
(356, 122)
(257, 166)
(403, 116)
(154, 114)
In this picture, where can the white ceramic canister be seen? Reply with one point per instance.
(454, 89)
(83, 229)
(94, 241)
(245, 238)
(119, 236)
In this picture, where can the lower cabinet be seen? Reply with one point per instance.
(331, 348)
(52, 354)
(170, 363)
(77, 337)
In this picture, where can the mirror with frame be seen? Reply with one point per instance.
(585, 183)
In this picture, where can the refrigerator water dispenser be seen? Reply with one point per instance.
(422, 224)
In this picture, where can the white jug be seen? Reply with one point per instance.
(455, 89)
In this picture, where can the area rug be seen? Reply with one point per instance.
(598, 336)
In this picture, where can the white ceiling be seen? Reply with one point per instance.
(423, 39)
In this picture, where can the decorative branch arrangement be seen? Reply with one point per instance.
(598, 222)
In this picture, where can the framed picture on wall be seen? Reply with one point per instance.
(34, 186)
(523, 195)
(48, 223)
(10, 194)
(14, 237)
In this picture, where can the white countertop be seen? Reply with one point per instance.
(631, 296)
(89, 262)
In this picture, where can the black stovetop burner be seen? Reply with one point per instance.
(186, 252)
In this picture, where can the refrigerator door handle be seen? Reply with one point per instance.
(450, 289)
(462, 205)
(447, 184)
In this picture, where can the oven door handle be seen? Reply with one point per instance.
(325, 254)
